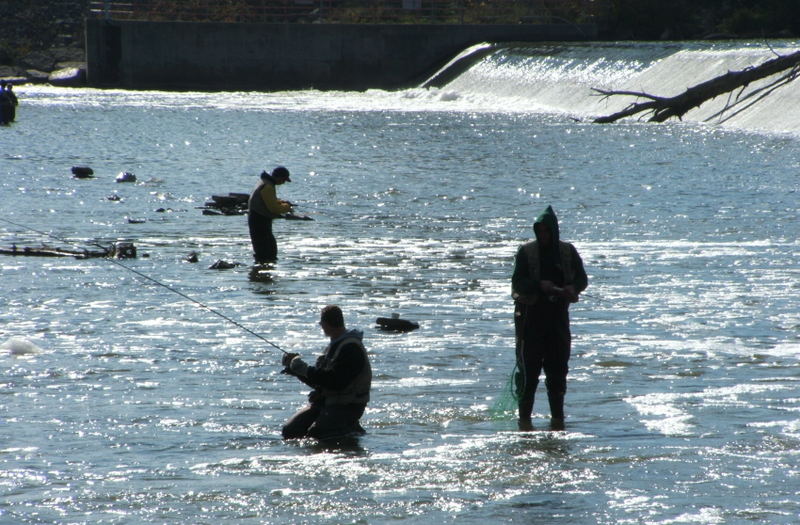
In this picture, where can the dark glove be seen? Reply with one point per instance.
(286, 360)
(298, 367)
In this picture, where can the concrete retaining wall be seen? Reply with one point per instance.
(270, 57)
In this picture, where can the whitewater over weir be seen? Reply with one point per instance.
(124, 403)
(563, 78)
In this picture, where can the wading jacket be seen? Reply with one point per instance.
(342, 374)
(527, 272)
(264, 200)
(562, 265)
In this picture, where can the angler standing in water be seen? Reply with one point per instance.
(548, 276)
(341, 379)
(8, 103)
(263, 206)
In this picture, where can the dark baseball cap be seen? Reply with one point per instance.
(281, 172)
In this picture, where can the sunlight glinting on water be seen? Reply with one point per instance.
(132, 403)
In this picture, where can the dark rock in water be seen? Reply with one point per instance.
(126, 176)
(82, 172)
(231, 204)
(114, 198)
(68, 77)
(222, 265)
(192, 257)
(227, 201)
(395, 324)
(124, 250)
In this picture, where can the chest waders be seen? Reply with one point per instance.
(542, 343)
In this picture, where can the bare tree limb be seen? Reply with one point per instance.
(663, 108)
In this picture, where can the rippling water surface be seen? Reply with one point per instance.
(137, 405)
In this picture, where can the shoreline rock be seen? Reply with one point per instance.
(59, 66)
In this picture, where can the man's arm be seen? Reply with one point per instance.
(271, 201)
(581, 280)
(521, 281)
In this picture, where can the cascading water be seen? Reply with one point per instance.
(560, 78)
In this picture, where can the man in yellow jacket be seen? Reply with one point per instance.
(262, 207)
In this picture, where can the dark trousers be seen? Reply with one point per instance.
(325, 421)
(265, 248)
(543, 343)
(7, 111)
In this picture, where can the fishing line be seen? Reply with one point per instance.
(154, 281)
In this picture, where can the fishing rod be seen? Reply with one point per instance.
(321, 208)
(154, 281)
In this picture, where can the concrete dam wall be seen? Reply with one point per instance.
(271, 57)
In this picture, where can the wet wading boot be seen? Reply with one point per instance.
(556, 400)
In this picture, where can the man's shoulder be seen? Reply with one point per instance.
(350, 344)
(565, 245)
(528, 248)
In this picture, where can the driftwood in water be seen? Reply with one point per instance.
(230, 204)
(236, 204)
(45, 251)
(663, 108)
(120, 250)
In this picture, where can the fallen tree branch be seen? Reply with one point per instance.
(46, 251)
(663, 108)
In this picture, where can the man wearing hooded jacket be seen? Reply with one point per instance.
(548, 276)
(341, 379)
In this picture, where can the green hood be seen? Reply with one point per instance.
(549, 219)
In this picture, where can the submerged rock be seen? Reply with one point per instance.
(82, 172)
(124, 250)
(126, 176)
(395, 324)
(19, 347)
(222, 265)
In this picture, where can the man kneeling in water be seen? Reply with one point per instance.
(341, 380)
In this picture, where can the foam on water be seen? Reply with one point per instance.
(20, 347)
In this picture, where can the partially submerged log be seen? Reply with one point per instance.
(663, 108)
(45, 251)
(120, 250)
(230, 204)
(236, 204)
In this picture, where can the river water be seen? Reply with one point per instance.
(126, 401)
